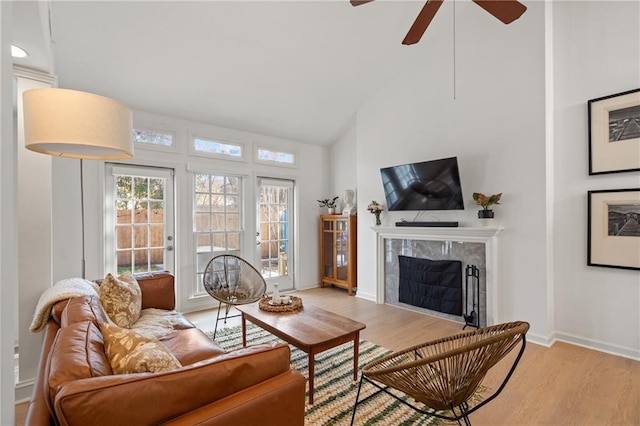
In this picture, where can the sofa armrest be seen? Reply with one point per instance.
(38, 412)
(133, 398)
(275, 402)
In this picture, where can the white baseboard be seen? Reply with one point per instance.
(23, 391)
(540, 339)
(366, 296)
(596, 345)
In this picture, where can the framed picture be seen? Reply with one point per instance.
(613, 237)
(614, 133)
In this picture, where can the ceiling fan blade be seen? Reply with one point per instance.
(359, 2)
(506, 11)
(422, 22)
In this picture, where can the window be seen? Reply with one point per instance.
(149, 137)
(217, 220)
(271, 156)
(218, 148)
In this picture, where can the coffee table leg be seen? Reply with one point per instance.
(312, 364)
(356, 353)
(244, 330)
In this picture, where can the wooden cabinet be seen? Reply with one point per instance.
(338, 251)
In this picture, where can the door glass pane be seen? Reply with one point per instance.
(140, 231)
(273, 229)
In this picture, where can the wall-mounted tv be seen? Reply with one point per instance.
(429, 185)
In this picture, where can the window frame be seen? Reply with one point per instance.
(193, 151)
(259, 146)
(153, 147)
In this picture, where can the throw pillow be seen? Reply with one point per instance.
(131, 352)
(121, 299)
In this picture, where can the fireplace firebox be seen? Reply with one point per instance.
(431, 284)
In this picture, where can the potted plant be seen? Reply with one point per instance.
(486, 202)
(329, 204)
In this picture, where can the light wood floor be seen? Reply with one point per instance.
(561, 385)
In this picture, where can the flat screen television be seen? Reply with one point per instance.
(429, 185)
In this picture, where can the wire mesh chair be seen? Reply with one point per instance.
(445, 373)
(232, 280)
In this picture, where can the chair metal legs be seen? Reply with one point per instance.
(355, 405)
(227, 308)
(461, 418)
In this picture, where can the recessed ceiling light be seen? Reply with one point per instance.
(17, 52)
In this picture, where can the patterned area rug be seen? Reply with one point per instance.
(335, 390)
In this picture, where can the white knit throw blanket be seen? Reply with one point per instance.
(63, 289)
(156, 323)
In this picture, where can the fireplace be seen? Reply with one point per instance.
(431, 284)
(469, 246)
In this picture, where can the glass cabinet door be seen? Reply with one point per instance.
(342, 249)
(328, 244)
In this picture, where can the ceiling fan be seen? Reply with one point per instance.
(506, 11)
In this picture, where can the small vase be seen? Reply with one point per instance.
(332, 210)
(378, 223)
(486, 217)
(485, 214)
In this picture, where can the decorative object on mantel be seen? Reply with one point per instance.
(613, 234)
(614, 133)
(376, 208)
(329, 204)
(266, 304)
(486, 202)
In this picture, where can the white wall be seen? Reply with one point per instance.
(492, 117)
(8, 234)
(597, 53)
(342, 157)
(508, 138)
(34, 237)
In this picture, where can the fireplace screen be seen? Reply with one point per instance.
(431, 284)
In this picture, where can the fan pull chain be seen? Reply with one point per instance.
(454, 50)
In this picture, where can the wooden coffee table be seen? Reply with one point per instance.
(310, 329)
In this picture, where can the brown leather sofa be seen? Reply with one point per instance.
(75, 385)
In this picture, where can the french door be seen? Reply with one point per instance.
(139, 219)
(274, 214)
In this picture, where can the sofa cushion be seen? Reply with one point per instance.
(121, 299)
(83, 308)
(131, 352)
(191, 345)
(77, 353)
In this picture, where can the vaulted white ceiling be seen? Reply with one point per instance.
(297, 70)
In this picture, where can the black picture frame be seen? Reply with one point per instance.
(613, 234)
(614, 133)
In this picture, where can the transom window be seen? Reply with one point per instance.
(227, 149)
(152, 138)
(281, 157)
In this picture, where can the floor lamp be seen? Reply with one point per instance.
(73, 124)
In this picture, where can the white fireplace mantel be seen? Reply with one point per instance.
(486, 235)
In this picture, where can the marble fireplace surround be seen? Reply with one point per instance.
(450, 243)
